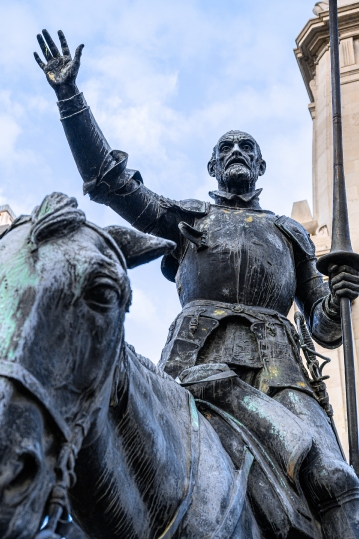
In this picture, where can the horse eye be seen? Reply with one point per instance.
(101, 297)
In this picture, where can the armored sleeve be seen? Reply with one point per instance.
(107, 179)
(313, 296)
(315, 301)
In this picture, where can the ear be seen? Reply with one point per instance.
(262, 168)
(211, 168)
(139, 248)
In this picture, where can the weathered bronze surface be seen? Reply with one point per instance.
(230, 436)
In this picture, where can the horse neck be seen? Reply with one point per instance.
(139, 465)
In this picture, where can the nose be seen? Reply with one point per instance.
(236, 148)
(17, 477)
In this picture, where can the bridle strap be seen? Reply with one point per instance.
(186, 502)
(15, 371)
(58, 499)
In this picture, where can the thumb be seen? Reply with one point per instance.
(78, 53)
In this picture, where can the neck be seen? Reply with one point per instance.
(129, 453)
(151, 443)
(241, 189)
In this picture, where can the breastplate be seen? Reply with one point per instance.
(243, 258)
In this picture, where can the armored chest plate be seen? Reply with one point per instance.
(240, 256)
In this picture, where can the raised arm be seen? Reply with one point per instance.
(104, 171)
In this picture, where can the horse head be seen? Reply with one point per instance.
(64, 291)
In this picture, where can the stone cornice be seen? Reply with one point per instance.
(313, 40)
(6, 208)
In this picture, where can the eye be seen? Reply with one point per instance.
(225, 149)
(102, 296)
(247, 147)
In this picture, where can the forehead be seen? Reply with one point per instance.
(87, 249)
(83, 249)
(236, 136)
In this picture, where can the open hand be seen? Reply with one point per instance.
(343, 283)
(60, 70)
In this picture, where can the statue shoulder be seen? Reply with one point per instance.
(297, 234)
(193, 207)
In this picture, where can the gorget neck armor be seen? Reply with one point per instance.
(248, 200)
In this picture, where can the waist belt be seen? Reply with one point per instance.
(220, 310)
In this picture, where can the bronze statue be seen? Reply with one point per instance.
(89, 427)
(238, 269)
(151, 466)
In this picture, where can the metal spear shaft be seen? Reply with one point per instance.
(341, 251)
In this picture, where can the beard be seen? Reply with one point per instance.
(238, 174)
(237, 171)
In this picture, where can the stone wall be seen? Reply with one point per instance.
(6, 217)
(313, 58)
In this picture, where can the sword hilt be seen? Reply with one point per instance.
(339, 258)
(315, 369)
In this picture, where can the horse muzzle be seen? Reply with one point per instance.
(24, 463)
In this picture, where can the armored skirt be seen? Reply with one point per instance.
(260, 344)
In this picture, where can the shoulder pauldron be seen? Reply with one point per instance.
(195, 208)
(297, 234)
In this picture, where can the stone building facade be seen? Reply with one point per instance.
(6, 217)
(313, 56)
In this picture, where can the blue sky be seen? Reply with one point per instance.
(165, 79)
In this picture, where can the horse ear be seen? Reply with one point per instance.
(139, 248)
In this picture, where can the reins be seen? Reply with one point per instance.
(58, 502)
(194, 444)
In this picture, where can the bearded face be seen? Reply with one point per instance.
(236, 162)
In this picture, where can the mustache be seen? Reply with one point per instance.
(235, 160)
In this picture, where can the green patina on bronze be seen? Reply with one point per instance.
(18, 281)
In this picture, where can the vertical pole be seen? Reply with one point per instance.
(350, 382)
(341, 243)
(340, 229)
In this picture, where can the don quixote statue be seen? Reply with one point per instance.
(231, 436)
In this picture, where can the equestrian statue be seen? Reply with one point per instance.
(231, 436)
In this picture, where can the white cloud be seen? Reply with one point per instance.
(9, 133)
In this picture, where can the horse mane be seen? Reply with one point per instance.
(57, 215)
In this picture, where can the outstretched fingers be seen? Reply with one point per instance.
(54, 50)
(39, 61)
(78, 54)
(64, 46)
(45, 50)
